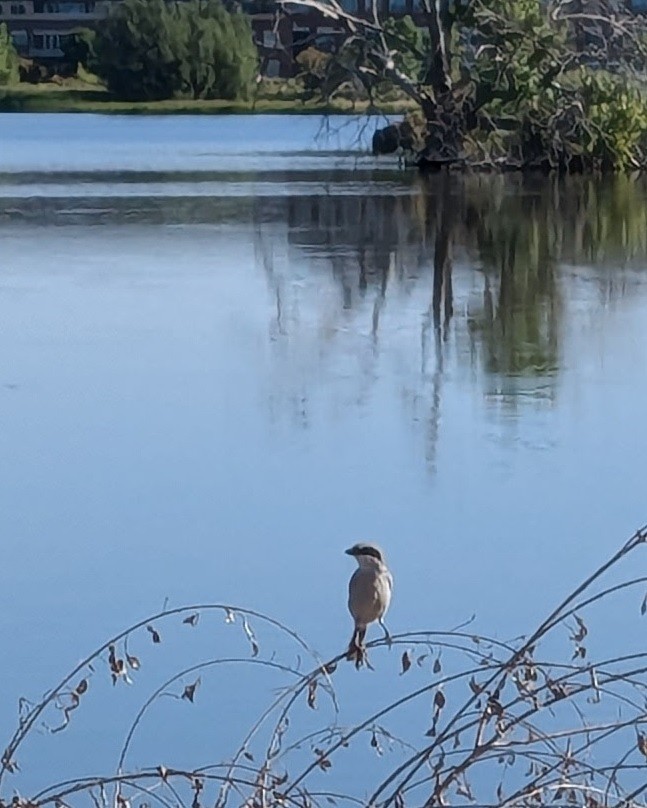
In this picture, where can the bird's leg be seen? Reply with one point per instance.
(387, 636)
(356, 649)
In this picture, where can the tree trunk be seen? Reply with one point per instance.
(438, 73)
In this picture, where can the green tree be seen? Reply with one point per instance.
(151, 50)
(136, 51)
(520, 83)
(218, 55)
(8, 59)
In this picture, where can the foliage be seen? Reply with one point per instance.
(409, 44)
(218, 58)
(616, 120)
(152, 50)
(550, 718)
(8, 58)
(544, 105)
(77, 48)
(313, 65)
(521, 83)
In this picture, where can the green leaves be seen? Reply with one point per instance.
(151, 50)
(8, 58)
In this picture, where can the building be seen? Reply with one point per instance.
(39, 27)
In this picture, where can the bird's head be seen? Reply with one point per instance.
(367, 554)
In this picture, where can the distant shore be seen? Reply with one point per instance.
(276, 97)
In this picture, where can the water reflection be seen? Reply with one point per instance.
(479, 263)
(212, 380)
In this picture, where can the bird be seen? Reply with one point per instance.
(369, 595)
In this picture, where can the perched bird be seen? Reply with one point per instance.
(369, 595)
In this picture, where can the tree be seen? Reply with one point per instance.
(150, 50)
(527, 83)
(8, 58)
(219, 58)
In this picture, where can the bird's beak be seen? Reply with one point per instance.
(350, 551)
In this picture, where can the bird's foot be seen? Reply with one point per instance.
(357, 654)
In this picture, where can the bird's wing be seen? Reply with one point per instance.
(388, 581)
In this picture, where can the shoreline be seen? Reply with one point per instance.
(281, 100)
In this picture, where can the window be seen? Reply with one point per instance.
(17, 8)
(20, 39)
(50, 7)
(46, 42)
(270, 39)
(273, 68)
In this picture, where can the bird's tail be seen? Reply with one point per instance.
(356, 649)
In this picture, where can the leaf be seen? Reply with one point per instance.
(133, 662)
(494, 707)
(248, 756)
(475, 687)
(163, 772)
(322, 761)
(312, 691)
(197, 786)
(582, 631)
(154, 634)
(250, 636)
(230, 616)
(81, 688)
(189, 690)
(437, 666)
(406, 662)
(117, 667)
(557, 689)
(439, 700)
(192, 619)
(641, 742)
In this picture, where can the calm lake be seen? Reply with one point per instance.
(231, 347)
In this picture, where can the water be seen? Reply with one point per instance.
(233, 346)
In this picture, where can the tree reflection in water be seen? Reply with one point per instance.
(478, 265)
